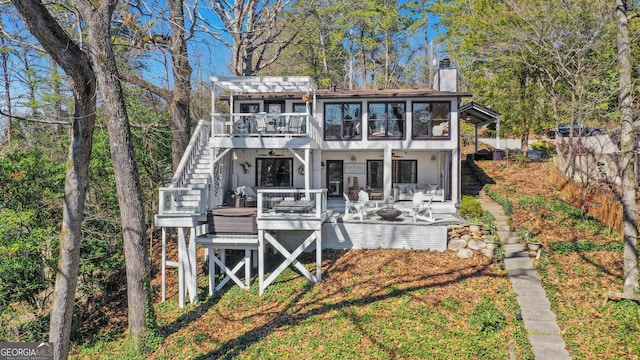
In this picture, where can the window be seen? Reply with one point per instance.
(375, 172)
(250, 108)
(431, 119)
(274, 172)
(405, 171)
(343, 121)
(386, 120)
(302, 108)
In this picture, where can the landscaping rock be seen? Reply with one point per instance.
(457, 244)
(476, 245)
(465, 253)
(488, 253)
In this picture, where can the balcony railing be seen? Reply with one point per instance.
(285, 203)
(261, 124)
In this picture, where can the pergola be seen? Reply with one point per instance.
(263, 84)
(479, 116)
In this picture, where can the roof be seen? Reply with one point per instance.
(477, 114)
(265, 84)
(387, 93)
(359, 93)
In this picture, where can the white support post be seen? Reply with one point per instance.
(164, 264)
(318, 255)
(307, 173)
(260, 258)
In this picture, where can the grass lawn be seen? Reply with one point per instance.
(390, 304)
(371, 304)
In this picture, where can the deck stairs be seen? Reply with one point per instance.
(473, 178)
(188, 192)
(182, 206)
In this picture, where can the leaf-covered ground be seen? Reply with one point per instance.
(581, 261)
(387, 304)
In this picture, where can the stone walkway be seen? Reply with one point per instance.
(539, 321)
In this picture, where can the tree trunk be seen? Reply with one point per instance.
(627, 148)
(77, 65)
(7, 86)
(98, 21)
(180, 102)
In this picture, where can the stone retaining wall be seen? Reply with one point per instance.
(471, 239)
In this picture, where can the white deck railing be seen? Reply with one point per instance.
(278, 203)
(171, 199)
(264, 125)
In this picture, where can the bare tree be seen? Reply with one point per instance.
(95, 66)
(4, 60)
(627, 148)
(76, 64)
(179, 98)
(256, 30)
(97, 17)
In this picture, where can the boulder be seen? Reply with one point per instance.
(456, 244)
(488, 253)
(476, 245)
(465, 254)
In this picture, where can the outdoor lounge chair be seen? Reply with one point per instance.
(352, 209)
(263, 126)
(363, 201)
(295, 124)
(421, 210)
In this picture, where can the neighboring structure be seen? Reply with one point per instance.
(286, 148)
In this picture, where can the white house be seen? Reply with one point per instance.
(291, 148)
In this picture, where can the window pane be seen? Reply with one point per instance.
(352, 120)
(374, 174)
(396, 120)
(405, 171)
(332, 120)
(440, 119)
(274, 172)
(377, 119)
(299, 108)
(421, 119)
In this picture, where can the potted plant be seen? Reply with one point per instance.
(534, 244)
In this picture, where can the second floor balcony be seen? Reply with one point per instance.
(262, 125)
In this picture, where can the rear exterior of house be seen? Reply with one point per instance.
(285, 149)
(283, 133)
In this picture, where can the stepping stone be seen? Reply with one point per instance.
(533, 301)
(513, 240)
(535, 327)
(538, 314)
(549, 343)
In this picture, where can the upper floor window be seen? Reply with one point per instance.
(343, 121)
(387, 120)
(431, 119)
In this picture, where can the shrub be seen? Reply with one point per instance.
(470, 207)
(544, 147)
(486, 317)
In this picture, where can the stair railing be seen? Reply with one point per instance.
(167, 195)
